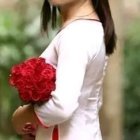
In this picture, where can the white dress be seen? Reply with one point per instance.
(78, 53)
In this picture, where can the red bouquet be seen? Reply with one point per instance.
(34, 79)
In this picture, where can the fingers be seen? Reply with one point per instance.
(29, 128)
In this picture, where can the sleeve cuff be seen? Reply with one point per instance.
(39, 120)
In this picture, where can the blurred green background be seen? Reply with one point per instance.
(20, 38)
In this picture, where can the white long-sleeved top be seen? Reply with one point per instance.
(78, 54)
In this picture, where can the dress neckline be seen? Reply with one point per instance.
(96, 20)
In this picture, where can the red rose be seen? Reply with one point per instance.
(34, 79)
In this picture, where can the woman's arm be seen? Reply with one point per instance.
(73, 57)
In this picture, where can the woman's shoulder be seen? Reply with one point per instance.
(81, 36)
(82, 27)
(83, 31)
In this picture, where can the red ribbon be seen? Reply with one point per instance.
(55, 135)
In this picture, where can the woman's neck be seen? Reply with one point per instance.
(76, 9)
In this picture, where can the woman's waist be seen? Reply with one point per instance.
(71, 130)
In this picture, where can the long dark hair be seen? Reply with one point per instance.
(102, 8)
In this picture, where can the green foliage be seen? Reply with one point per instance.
(18, 41)
(20, 38)
(132, 82)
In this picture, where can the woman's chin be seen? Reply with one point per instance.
(56, 2)
(59, 2)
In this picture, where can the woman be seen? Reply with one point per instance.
(79, 51)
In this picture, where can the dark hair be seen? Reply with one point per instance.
(101, 7)
(48, 14)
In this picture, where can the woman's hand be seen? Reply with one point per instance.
(22, 115)
(30, 132)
